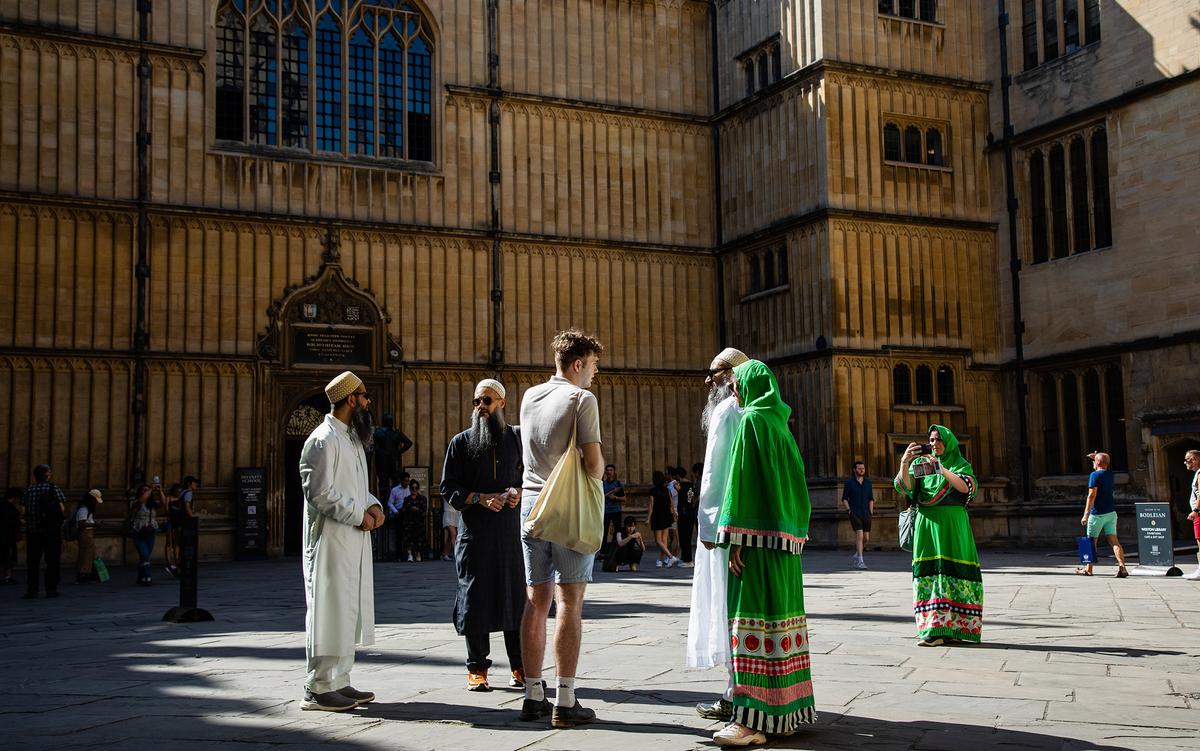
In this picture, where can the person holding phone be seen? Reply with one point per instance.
(947, 581)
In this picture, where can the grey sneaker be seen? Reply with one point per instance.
(360, 697)
(716, 710)
(330, 701)
(569, 717)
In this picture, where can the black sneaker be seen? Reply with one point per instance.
(717, 710)
(569, 717)
(330, 701)
(360, 697)
(533, 710)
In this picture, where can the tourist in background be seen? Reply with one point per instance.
(661, 519)
(614, 496)
(85, 523)
(858, 501)
(413, 523)
(45, 509)
(630, 545)
(1100, 512)
(143, 524)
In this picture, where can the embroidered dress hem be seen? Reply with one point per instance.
(766, 539)
(947, 581)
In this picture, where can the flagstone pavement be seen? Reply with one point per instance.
(1067, 663)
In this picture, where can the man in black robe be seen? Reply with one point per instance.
(482, 479)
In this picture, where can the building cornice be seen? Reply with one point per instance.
(78, 38)
(795, 221)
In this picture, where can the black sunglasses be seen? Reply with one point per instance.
(484, 400)
(362, 394)
(714, 372)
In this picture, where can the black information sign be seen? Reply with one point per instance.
(251, 513)
(327, 345)
(1155, 546)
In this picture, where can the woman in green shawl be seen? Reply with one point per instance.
(764, 523)
(947, 583)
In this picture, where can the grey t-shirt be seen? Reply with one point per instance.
(548, 413)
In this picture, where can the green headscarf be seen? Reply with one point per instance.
(767, 503)
(933, 489)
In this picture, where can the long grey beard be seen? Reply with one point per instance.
(363, 427)
(715, 397)
(485, 433)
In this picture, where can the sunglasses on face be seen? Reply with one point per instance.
(714, 372)
(484, 400)
(362, 395)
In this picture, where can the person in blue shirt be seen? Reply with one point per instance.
(1100, 512)
(614, 494)
(859, 501)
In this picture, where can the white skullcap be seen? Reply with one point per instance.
(96, 494)
(490, 383)
(342, 386)
(734, 357)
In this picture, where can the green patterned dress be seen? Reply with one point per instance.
(947, 582)
(766, 512)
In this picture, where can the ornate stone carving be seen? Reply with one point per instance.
(303, 420)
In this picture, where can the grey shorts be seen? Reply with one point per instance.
(546, 560)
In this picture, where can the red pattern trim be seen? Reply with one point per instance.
(776, 697)
(771, 667)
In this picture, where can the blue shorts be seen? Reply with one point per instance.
(547, 560)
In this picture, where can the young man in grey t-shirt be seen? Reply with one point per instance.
(549, 413)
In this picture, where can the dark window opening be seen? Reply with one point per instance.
(901, 385)
(912, 145)
(1093, 404)
(1100, 189)
(391, 97)
(1050, 431)
(1116, 419)
(294, 85)
(1058, 201)
(933, 147)
(263, 81)
(749, 77)
(1050, 29)
(776, 63)
(783, 264)
(887, 6)
(755, 275)
(945, 385)
(230, 78)
(420, 101)
(891, 143)
(1037, 208)
(1071, 443)
(924, 384)
(929, 10)
(1091, 21)
(908, 8)
(1070, 25)
(1029, 33)
(769, 270)
(763, 81)
(1079, 196)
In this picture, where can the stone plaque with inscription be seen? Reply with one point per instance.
(327, 345)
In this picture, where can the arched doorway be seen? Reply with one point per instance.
(1179, 480)
(306, 416)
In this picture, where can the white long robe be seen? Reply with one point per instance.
(708, 625)
(339, 585)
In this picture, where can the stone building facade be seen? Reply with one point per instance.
(209, 206)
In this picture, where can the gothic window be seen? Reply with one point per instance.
(924, 384)
(945, 385)
(755, 275)
(912, 145)
(350, 77)
(776, 63)
(929, 10)
(1079, 196)
(891, 143)
(749, 77)
(1037, 207)
(908, 8)
(1029, 41)
(933, 147)
(1058, 201)
(1070, 26)
(230, 76)
(887, 7)
(1073, 415)
(769, 270)
(783, 264)
(763, 81)
(1100, 189)
(901, 385)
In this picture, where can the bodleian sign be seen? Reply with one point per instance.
(329, 345)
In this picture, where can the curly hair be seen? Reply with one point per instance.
(572, 345)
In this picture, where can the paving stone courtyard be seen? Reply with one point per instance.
(1067, 663)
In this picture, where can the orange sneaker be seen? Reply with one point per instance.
(477, 681)
(518, 679)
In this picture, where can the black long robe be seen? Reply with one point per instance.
(488, 555)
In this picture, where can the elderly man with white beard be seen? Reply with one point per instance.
(480, 478)
(339, 514)
(708, 627)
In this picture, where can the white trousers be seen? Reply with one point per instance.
(328, 673)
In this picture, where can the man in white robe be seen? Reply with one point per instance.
(708, 626)
(339, 514)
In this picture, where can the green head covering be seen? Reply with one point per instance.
(767, 503)
(933, 489)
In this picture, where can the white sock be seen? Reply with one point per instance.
(534, 688)
(565, 696)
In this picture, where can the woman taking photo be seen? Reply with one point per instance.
(661, 518)
(947, 583)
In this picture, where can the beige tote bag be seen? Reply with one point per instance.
(570, 509)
